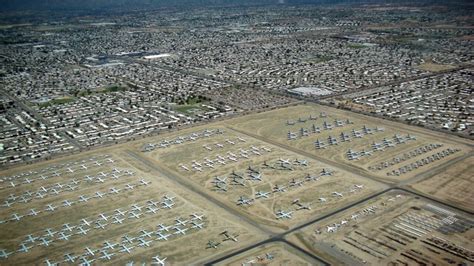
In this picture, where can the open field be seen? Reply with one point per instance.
(277, 253)
(260, 181)
(384, 149)
(452, 185)
(83, 201)
(433, 67)
(395, 227)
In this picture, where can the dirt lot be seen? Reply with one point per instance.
(393, 228)
(452, 185)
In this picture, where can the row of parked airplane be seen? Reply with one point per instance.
(345, 221)
(54, 171)
(183, 139)
(209, 147)
(379, 146)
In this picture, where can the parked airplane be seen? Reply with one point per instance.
(212, 244)
(228, 236)
(159, 261)
(282, 214)
(4, 254)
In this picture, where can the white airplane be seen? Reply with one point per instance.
(180, 231)
(359, 186)
(144, 182)
(207, 147)
(159, 261)
(106, 255)
(241, 139)
(167, 204)
(136, 207)
(127, 239)
(33, 212)
(162, 227)
(113, 190)
(49, 263)
(212, 244)
(100, 225)
(63, 236)
(278, 188)
(243, 201)
(326, 172)
(219, 145)
(99, 180)
(255, 176)
(145, 234)
(162, 236)
(27, 181)
(85, 222)
(40, 195)
(99, 194)
(117, 220)
(337, 194)
(16, 217)
(180, 222)
(230, 142)
(45, 242)
(30, 239)
(128, 186)
(322, 199)
(126, 249)
(70, 170)
(302, 162)
(331, 229)
(282, 214)
(69, 258)
(83, 198)
(108, 245)
(102, 216)
(83, 166)
(89, 252)
(82, 231)
(184, 167)
(86, 262)
(134, 215)
(228, 236)
(196, 216)
(152, 203)
(261, 194)
(67, 203)
(68, 228)
(24, 248)
(144, 243)
(151, 210)
(54, 191)
(284, 161)
(88, 178)
(197, 225)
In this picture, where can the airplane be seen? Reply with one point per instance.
(89, 252)
(337, 194)
(4, 254)
(99, 180)
(99, 194)
(218, 180)
(244, 155)
(359, 186)
(86, 262)
(237, 181)
(33, 212)
(136, 207)
(159, 261)
(16, 217)
(82, 231)
(184, 167)
(241, 139)
(207, 147)
(63, 236)
(83, 198)
(302, 206)
(197, 168)
(145, 234)
(30, 239)
(40, 195)
(180, 222)
(113, 190)
(120, 212)
(54, 191)
(310, 177)
(255, 176)
(278, 188)
(49, 263)
(144, 243)
(180, 231)
(106, 255)
(243, 201)
(108, 245)
(230, 142)
(110, 160)
(49, 232)
(162, 227)
(167, 204)
(302, 162)
(261, 194)
(290, 123)
(326, 172)
(24, 248)
(102, 216)
(134, 215)
(126, 249)
(151, 210)
(98, 163)
(99, 225)
(117, 220)
(83, 166)
(162, 236)
(67, 227)
(331, 229)
(322, 199)
(67, 203)
(196, 216)
(319, 144)
(212, 244)
(71, 187)
(69, 257)
(282, 214)
(88, 178)
(28, 181)
(45, 242)
(85, 222)
(197, 225)
(127, 239)
(144, 182)
(229, 236)
(219, 145)
(294, 182)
